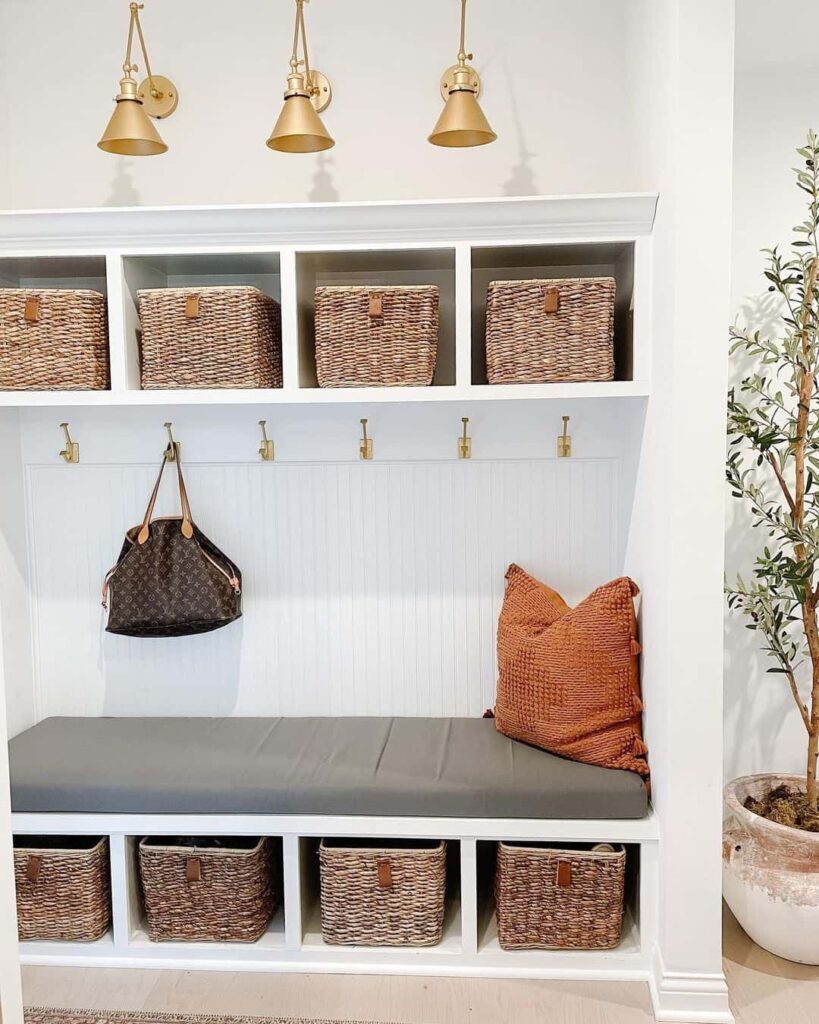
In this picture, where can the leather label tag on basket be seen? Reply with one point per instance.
(384, 868)
(376, 305)
(33, 869)
(191, 307)
(31, 314)
(564, 874)
(193, 869)
(551, 299)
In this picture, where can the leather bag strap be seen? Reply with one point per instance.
(187, 520)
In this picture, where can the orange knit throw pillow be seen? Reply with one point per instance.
(569, 678)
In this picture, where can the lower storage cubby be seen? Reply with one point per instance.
(380, 894)
(559, 896)
(208, 889)
(63, 888)
(202, 903)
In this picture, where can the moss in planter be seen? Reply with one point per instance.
(785, 806)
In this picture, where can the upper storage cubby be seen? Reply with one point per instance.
(53, 327)
(375, 269)
(189, 270)
(84, 272)
(532, 262)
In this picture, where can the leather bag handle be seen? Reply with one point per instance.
(187, 519)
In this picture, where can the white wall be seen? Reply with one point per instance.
(776, 101)
(369, 588)
(557, 90)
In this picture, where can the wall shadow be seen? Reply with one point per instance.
(521, 180)
(323, 189)
(173, 676)
(123, 190)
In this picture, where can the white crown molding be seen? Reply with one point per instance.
(442, 221)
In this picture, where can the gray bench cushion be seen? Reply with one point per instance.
(437, 767)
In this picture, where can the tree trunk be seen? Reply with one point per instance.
(807, 385)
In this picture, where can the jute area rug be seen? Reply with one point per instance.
(40, 1015)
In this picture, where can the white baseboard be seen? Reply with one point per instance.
(688, 998)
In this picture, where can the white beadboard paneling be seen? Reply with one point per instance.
(369, 588)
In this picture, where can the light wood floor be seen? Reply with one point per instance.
(764, 990)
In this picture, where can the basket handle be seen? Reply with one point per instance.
(193, 869)
(376, 307)
(192, 307)
(33, 869)
(551, 299)
(564, 874)
(384, 868)
(31, 313)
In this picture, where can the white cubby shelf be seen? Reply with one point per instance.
(293, 941)
(582, 236)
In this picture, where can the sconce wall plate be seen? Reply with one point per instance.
(159, 96)
(321, 92)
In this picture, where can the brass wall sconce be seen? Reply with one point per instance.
(266, 450)
(365, 448)
(130, 131)
(299, 129)
(71, 452)
(462, 122)
(465, 442)
(564, 442)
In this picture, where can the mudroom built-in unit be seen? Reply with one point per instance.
(374, 527)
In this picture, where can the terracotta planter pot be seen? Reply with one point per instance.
(771, 873)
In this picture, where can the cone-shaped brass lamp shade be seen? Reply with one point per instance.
(130, 131)
(462, 122)
(299, 129)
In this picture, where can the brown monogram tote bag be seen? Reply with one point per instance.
(170, 580)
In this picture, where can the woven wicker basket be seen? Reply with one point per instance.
(384, 337)
(207, 890)
(559, 898)
(550, 330)
(63, 888)
(382, 896)
(210, 338)
(53, 340)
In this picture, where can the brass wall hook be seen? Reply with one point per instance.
(564, 442)
(365, 449)
(173, 446)
(71, 452)
(465, 442)
(266, 450)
